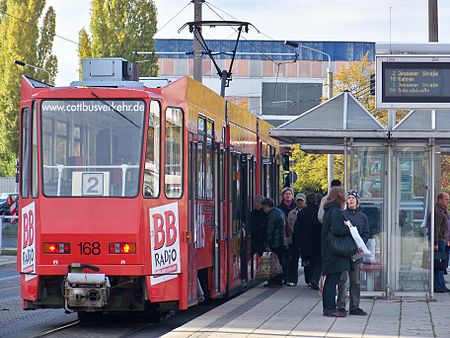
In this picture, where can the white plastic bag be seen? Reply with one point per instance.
(362, 248)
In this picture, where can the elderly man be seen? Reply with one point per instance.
(293, 255)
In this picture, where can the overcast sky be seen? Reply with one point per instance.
(305, 20)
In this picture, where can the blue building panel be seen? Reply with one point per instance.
(264, 49)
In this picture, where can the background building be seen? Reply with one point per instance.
(269, 78)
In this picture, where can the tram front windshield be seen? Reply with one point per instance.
(91, 148)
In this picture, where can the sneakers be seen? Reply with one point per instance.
(334, 314)
(358, 312)
(291, 284)
(343, 310)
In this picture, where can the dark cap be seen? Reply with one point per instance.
(353, 193)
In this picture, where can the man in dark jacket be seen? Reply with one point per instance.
(275, 235)
(440, 236)
(306, 240)
(360, 221)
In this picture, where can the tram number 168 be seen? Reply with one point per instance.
(89, 248)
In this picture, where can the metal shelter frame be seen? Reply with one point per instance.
(342, 122)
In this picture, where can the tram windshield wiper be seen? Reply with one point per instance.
(115, 110)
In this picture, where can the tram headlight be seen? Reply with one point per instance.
(56, 248)
(122, 248)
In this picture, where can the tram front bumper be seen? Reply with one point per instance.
(86, 291)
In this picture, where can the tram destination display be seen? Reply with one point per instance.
(413, 83)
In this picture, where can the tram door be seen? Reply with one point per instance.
(192, 253)
(219, 235)
(245, 217)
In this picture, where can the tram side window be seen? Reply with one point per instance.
(174, 152)
(25, 152)
(209, 160)
(201, 158)
(152, 152)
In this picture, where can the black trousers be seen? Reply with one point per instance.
(292, 265)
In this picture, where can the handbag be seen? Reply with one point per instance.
(342, 245)
(440, 260)
(269, 266)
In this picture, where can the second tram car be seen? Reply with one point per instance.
(136, 198)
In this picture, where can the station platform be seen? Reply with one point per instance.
(297, 312)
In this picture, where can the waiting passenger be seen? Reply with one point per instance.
(306, 240)
(258, 220)
(333, 183)
(292, 255)
(333, 264)
(359, 220)
(275, 236)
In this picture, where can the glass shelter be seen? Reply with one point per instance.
(397, 172)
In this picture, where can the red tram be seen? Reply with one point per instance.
(136, 198)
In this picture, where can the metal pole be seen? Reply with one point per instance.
(431, 228)
(432, 21)
(330, 82)
(391, 118)
(197, 45)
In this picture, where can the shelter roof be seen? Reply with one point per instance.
(330, 124)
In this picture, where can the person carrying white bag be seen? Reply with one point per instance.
(358, 224)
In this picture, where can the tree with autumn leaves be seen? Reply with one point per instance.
(311, 169)
(21, 38)
(118, 28)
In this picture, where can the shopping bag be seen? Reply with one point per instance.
(322, 283)
(362, 248)
(440, 260)
(342, 245)
(426, 260)
(269, 266)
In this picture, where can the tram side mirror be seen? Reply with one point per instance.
(285, 162)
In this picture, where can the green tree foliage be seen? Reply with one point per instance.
(311, 169)
(120, 27)
(21, 39)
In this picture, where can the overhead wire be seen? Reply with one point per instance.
(171, 19)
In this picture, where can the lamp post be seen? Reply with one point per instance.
(330, 157)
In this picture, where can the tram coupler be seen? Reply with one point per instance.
(85, 291)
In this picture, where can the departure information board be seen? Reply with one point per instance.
(413, 82)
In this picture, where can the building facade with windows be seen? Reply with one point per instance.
(270, 79)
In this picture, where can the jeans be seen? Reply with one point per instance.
(329, 292)
(439, 282)
(355, 287)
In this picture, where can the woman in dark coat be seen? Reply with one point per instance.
(306, 239)
(332, 264)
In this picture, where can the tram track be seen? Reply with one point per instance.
(58, 329)
(104, 327)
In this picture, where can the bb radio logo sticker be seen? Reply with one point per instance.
(165, 242)
(28, 239)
